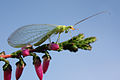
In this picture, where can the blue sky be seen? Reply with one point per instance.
(101, 63)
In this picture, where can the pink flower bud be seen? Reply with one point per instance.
(19, 70)
(38, 68)
(25, 52)
(7, 73)
(46, 62)
(53, 46)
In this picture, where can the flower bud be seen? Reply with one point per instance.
(7, 72)
(53, 46)
(19, 69)
(25, 52)
(46, 61)
(38, 67)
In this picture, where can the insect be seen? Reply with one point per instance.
(38, 33)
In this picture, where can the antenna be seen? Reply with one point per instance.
(90, 17)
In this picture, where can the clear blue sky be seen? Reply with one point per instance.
(101, 63)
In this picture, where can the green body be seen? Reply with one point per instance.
(58, 30)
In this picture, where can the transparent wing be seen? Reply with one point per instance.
(29, 34)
